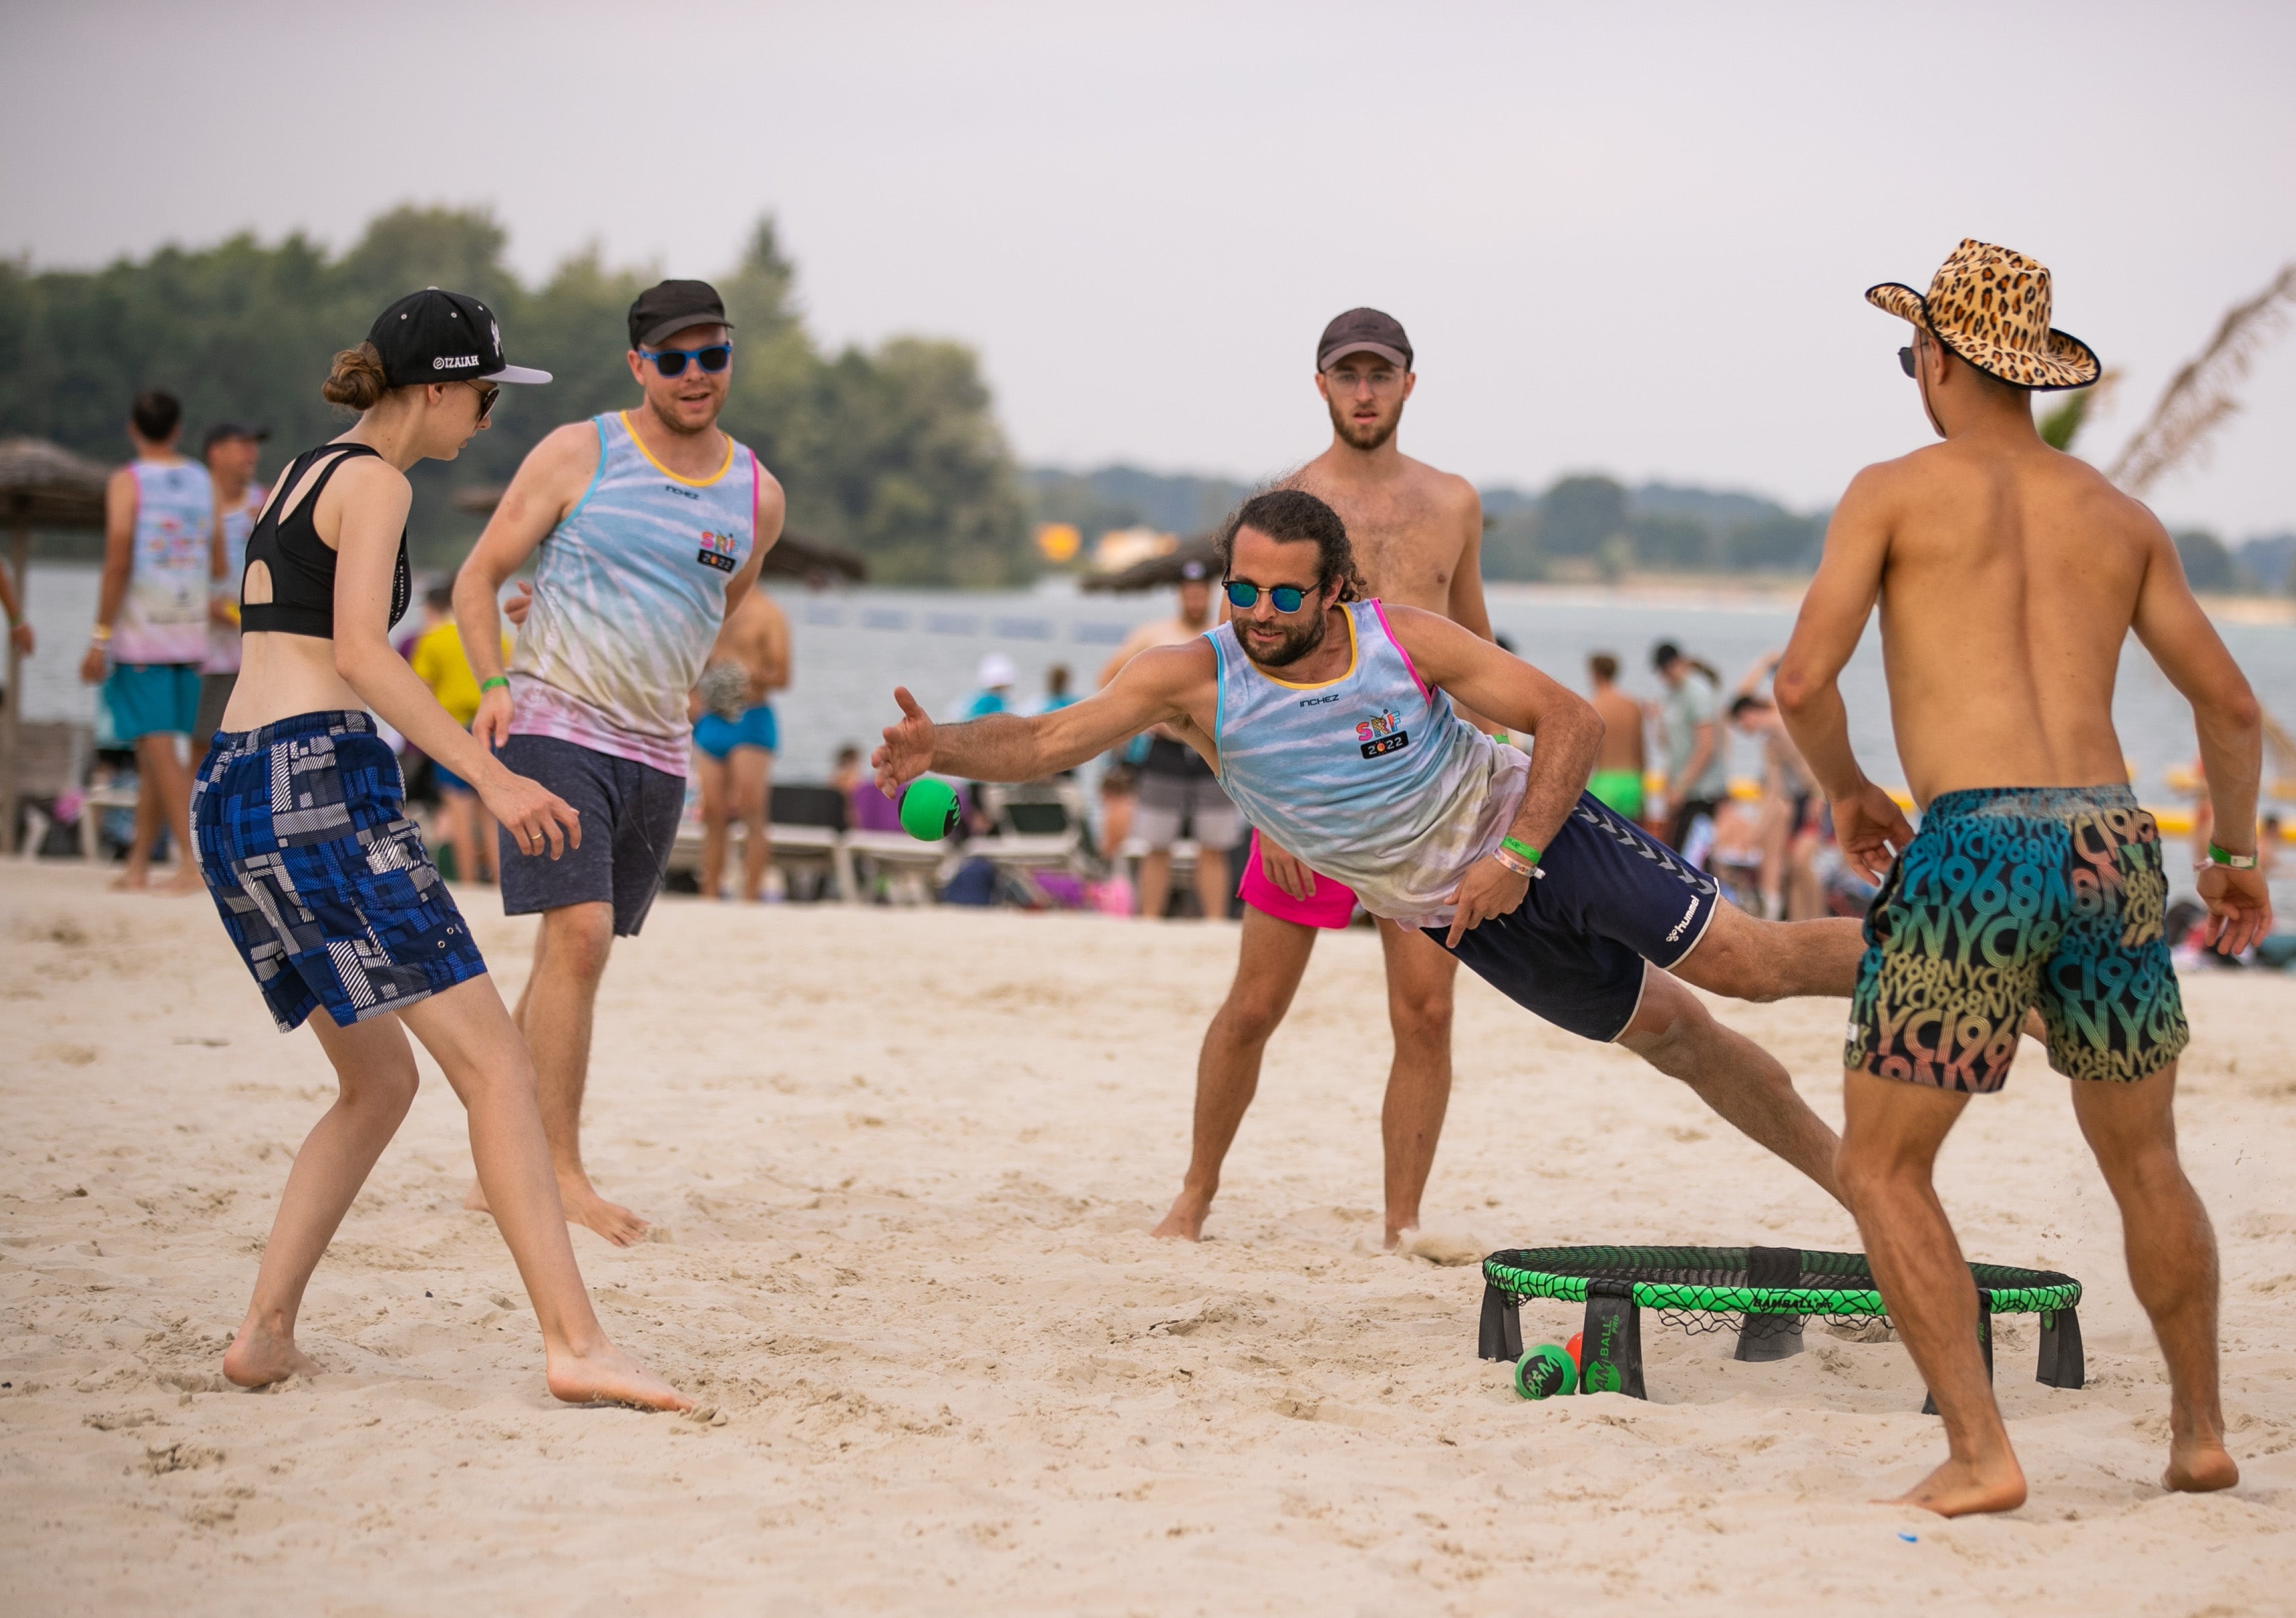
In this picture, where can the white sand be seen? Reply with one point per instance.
(907, 1162)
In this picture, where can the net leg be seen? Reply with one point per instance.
(1984, 1343)
(2062, 1364)
(1611, 1341)
(1501, 1335)
(1770, 1337)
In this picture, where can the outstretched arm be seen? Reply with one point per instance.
(1158, 686)
(1867, 821)
(2231, 726)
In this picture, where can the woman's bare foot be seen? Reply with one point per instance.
(585, 1207)
(258, 1357)
(609, 1375)
(1961, 1487)
(1186, 1221)
(134, 879)
(2197, 1466)
(187, 880)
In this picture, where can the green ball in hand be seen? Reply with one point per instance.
(929, 809)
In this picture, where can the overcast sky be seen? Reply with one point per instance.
(1628, 239)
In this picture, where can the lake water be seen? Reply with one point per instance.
(852, 647)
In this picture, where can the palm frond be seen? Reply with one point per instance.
(2199, 396)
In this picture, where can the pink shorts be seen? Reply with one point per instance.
(1331, 905)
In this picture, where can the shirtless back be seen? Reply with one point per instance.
(756, 636)
(2009, 576)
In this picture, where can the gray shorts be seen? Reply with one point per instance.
(629, 814)
(1168, 805)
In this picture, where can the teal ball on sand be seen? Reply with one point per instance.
(1546, 1371)
(929, 809)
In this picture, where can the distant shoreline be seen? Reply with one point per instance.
(1725, 590)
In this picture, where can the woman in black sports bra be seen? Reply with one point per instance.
(326, 887)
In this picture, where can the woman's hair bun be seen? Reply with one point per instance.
(357, 379)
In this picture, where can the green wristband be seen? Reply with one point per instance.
(487, 685)
(2229, 860)
(1519, 849)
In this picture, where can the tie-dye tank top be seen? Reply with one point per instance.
(628, 597)
(238, 523)
(1370, 777)
(165, 617)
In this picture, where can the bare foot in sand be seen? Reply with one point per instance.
(583, 1208)
(612, 1377)
(1959, 1488)
(258, 1357)
(187, 880)
(1186, 1221)
(2199, 1465)
(131, 881)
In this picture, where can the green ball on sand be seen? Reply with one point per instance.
(929, 809)
(1546, 1371)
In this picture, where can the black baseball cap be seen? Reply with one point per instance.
(669, 307)
(432, 335)
(224, 432)
(1361, 331)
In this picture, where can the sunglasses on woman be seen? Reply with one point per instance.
(488, 394)
(1287, 597)
(671, 362)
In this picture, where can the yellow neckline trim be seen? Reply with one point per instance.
(1355, 653)
(691, 483)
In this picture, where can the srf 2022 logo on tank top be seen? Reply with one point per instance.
(717, 550)
(1383, 733)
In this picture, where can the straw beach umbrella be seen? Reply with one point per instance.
(42, 486)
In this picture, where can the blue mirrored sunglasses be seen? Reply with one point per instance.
(1243, 597)
(671, 362)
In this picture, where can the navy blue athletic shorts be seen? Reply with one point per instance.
(629, 814)
(323, 883)
(1612, 898)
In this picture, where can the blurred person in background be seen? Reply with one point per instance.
(1697, 772)
(1057, 695)
(1617, 778)
(1788, 832)
(231, 450)
(438, 661)
(736, 736)
(1175, 791)
(151, 632)
(993, 679)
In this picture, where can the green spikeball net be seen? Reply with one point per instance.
(1764, 1293)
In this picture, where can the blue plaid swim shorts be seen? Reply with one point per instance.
(324, 885)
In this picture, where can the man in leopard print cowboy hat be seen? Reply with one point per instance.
(2009, 575)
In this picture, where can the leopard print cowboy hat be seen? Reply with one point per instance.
(1990, 306)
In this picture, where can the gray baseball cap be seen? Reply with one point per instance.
(1363, 331)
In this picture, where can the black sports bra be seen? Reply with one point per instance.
(303, 565)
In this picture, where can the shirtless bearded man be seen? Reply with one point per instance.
(1418, 535)
(2009, 575)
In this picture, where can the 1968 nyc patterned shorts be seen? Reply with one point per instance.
(324, 885)
(2048, 897)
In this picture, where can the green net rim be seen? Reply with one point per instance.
(1564, 1272)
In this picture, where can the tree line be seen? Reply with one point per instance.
(891, 452)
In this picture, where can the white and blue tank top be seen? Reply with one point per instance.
(628, 597)
(1371, 778)
(164, 618)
